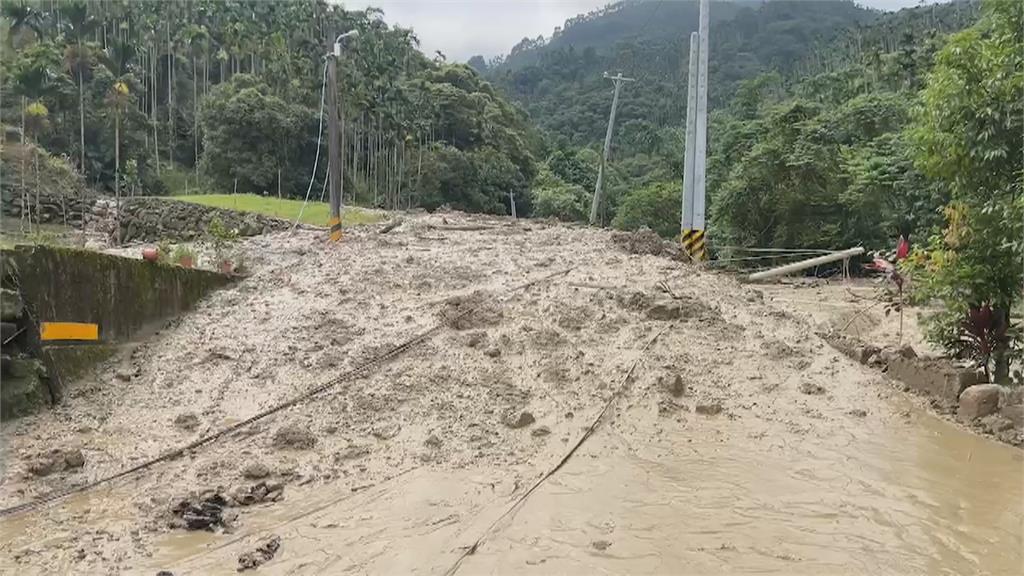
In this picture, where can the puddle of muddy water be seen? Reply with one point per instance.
(910, 496)
(918, 497)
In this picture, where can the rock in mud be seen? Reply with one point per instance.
(995, 423)
(677, 388)
(518, 419)
(1011, 436)
(56, 460)
(601, 545)
(263, 553)
(294, 437)
(977, 401)
(257, 493)
(858, 413)
(1014, 414)
(812, 389)
(681, 308)
(255, 471)
(864, 353)
(540, 431)
(708, 408)
(187, 421)
(475, 339)
(777, 350)
(204, 512)
(668, 407)
(664, 311)
(386, 431)
(351, 452)
(907, 351)
(433, 441)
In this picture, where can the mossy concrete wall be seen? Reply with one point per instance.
(121, 295)
(125, 297)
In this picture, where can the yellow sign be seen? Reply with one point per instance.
(68, 331)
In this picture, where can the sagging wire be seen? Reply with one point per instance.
(316, 159)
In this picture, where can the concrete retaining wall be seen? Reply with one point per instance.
(124, 296)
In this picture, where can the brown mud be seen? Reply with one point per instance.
(713, 460)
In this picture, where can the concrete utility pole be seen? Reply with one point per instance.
(596, 204)
(333, 131)
(691, 134)
(695, 164)
(701, 147)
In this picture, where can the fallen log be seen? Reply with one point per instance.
(460, 227)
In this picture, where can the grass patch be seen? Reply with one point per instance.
(316, 213)
(11, 233)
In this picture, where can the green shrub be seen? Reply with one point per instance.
(655, 206)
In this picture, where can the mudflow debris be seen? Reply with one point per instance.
(261, 555)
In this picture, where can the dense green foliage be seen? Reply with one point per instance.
(230, 91)
(809, 101)
(969, 131)
(250, 134)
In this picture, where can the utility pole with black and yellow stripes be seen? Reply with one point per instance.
(695, 164)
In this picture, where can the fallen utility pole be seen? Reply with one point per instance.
(804, 264)
(598, 189)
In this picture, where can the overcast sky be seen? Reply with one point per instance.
(462, 28)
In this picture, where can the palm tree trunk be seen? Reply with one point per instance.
(81, 112)
(152, 112)
(195, 118)
(170, 101)
(24, 187)
(117, 174)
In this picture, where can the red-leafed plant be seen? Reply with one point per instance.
(984, 331)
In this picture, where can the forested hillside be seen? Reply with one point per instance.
(820, 56)
(225, 94)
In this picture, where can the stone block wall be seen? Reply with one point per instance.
(152, 219)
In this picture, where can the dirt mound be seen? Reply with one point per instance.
(645, 241)
(474, 310)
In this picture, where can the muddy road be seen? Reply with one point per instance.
(741, 442)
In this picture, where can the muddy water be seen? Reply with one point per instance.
(912, 495)
(917, 497)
